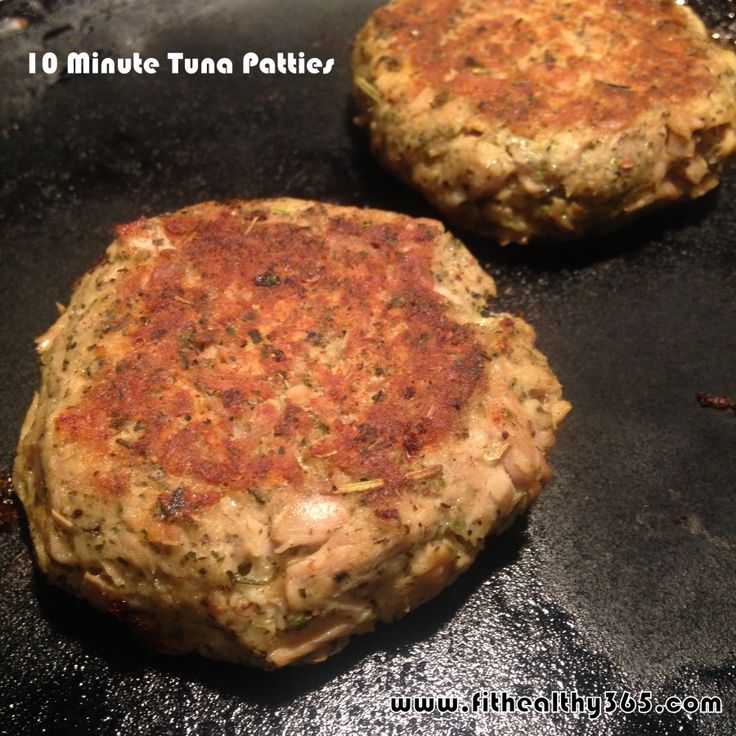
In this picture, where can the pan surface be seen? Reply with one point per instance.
(622, 577)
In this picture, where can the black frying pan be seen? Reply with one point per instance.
(622, 577)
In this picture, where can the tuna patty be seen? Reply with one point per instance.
(529, 119)
(262, 426)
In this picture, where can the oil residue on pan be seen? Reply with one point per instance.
(622, 578)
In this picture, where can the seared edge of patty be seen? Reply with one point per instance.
(280, 575)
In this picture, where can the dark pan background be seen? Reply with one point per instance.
(623, 575)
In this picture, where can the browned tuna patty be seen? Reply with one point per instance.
(262, 426)
(526, 119)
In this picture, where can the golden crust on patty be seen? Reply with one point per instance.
(264, 425)
(537, 119)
